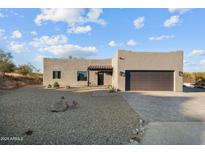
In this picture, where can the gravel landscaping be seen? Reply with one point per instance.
(25, 118)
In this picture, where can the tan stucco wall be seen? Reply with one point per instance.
(107, 79)
(93, 78)
(69, 68)
(115, 71)
(130, 61)
(148, 61)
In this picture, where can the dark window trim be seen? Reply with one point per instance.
(56, 74)
(84, 77)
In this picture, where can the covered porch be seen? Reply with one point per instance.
(99, 75)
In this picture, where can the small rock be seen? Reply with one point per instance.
(135, 131)
(141, 122)
(60, 106)
(141, 129)
(133, 142)
(28, 132)
(62, 97)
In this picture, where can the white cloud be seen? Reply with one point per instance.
(202, 62)
(1, 15)
(49, 40)
(172, 21)
(39, 58)
(16, 34)
(131, 43)
(112, 44)
(2, 34)
(189, 63)
(178, 10)
(161, 37)
(2, 31)
(80, 29)
(58, 45)
(69, 49)
(73, 17)
(13, 13)
(17, 47)
(139, 22)
(94, 16)
(34, 33)
(197, 52)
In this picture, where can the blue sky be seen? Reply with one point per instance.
(31, 34)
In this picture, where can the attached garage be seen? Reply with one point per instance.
(149, 80)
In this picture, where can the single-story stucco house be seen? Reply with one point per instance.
(127, 70)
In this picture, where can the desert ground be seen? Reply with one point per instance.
(101, 117)
(98, 119)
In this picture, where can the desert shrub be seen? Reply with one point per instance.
(111, 89)
(24, 69)
(56, 84)
(193, 77)
(67, 87)
(49, 86)
(200, 83)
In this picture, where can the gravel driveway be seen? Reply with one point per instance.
(97, 120)
(172, 117)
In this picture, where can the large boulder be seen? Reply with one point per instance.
(60, 106)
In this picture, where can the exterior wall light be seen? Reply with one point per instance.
(122, 74)
(180, 73)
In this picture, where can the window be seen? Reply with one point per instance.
(82, 75)
(56, 74)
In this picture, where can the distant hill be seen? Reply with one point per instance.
(15, 80)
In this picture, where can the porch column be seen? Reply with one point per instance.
(88, 78)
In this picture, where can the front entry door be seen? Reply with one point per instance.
(100, 78)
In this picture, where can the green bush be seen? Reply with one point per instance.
(111, 89)
(56, 85)
(6, 64)
(24, 69)
(49, 86)
(193, 77)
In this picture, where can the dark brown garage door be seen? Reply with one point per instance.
(149, 80)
